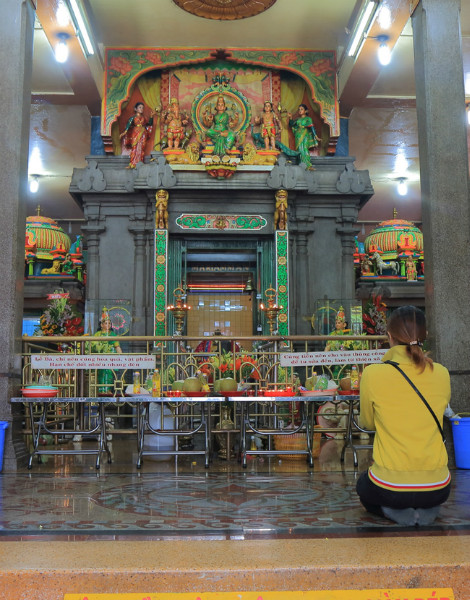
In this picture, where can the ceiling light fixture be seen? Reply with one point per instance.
(401, 163)
(34, 184)
(384, 17)
(61, 51)
(82, 30)
(402, 186)
(384, 54)
(62, 14)
(363, 26)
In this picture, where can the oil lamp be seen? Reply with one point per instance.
(271, 309)
(179, 310)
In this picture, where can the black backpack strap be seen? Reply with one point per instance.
(395, 365)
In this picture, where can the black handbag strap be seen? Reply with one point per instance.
(394, 364)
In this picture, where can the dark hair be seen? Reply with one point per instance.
(138, 104)
(305, 107)
(407, 326)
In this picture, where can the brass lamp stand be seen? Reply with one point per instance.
(179, 310)
(271, 309)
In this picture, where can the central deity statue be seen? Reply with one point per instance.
(220, 126)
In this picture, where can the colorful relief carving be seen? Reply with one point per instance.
(318, 69)
(221, 222)
(124, 66)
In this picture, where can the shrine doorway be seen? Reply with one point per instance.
(223, 279)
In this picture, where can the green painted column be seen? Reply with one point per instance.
(161, 280)
(282, 280)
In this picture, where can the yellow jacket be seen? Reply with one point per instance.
(408, 454)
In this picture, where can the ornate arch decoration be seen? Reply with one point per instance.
(123, 66)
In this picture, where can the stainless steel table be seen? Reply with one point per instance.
(307, 410)
(39, 426)
(143, 404)
(352, 428)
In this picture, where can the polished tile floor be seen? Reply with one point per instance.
(66, 498)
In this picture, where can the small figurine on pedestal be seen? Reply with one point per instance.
(176, 124)
(304, 134)
(68, 266)
(270, 125)
(280, 214)
(366, 265)
(55, 269)
(105, 377)
(411, 272)
(136, 134)
(161, 209)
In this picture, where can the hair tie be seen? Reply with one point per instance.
(415, 343)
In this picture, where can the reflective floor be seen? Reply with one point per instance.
(179, 498)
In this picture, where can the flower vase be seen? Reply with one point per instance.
(224, 440)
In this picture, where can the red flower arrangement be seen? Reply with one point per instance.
(243, 366)
(60, 318)
(374, 317)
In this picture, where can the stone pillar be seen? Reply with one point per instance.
(140, 283)
(16, 46)
(347, 232)
(300, 295)
(93, 233)
(440, 102)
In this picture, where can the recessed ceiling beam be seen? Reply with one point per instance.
(366, 68)
(77, 69)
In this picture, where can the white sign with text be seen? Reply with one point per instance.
(92, 361)
(347, 357)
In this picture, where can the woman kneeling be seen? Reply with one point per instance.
(409, 478)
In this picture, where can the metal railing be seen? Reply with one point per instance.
(254, 363)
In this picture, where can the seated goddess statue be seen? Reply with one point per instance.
(220, 126)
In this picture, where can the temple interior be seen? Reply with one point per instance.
(211, 209)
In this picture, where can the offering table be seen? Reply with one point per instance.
(305, 425)
(145, 427)
(40, 425)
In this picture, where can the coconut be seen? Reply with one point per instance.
(177, 386)
(191, 384)
(228, 385)
(310, 382)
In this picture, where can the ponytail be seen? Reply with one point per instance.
(407, 326)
